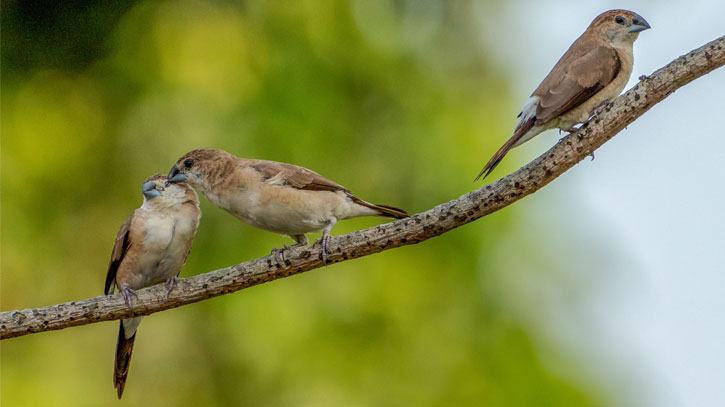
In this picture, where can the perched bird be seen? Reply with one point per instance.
(150, 248)
(593, 71)
(278, 197)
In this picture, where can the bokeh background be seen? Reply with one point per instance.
(605, 288)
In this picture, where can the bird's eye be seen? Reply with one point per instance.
(189, 162)
(619, 19)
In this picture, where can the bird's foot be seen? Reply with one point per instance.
(324, 242)
(127, 292)
(568, 132)
(325, 239)
(592, 155)
(170, 284)
(279, 253)
(598, 109)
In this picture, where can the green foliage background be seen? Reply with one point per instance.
(397, 100)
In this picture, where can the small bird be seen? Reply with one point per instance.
(150, 248)
(593, 71)
(274, 196)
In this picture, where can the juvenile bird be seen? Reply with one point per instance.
(150, 248)
(593, 71)
(278, 197)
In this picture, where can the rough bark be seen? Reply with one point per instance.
(415, 229)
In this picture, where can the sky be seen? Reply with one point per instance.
(652, 193)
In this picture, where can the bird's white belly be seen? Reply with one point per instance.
(281, 210)
(164, 250)
(290, 218)
(286, 225)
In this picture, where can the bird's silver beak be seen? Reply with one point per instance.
(175, 175)
(638, 24)
(148, 189)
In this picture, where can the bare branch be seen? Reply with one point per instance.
(415, 229)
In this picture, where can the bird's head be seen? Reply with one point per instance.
(619, 26)
(196, 166)
(158, 191)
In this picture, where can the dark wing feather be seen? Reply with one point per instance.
(569, 86)
(296, 177)
(120, 247)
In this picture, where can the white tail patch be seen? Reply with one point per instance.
(130, 325)
(528, 110)
(528, 113)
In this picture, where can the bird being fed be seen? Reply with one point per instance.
(150, 248)
(274, 196)
(592, 72)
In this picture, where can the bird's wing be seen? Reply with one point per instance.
(297, 177)
(120, 248)
(576, 77)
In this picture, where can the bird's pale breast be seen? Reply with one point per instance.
(161, 251)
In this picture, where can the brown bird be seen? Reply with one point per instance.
(277, 197)
(150, 248)
(593, 71)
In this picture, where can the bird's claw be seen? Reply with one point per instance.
(568, 132)
(325, 243)
(127, 293)
(170, 284)
(594, 113)
(278, 254)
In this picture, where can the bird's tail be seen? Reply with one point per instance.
(124, 348)
(521, 130)
(385, 210)
(496, 159)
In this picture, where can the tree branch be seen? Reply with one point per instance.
(415, 229)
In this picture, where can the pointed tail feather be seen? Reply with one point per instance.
(385, 210)
(124, 348)
(496, 159)
(520, 131)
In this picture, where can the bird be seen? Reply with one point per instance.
(274, 196)
(150, 248)
(592, 72)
